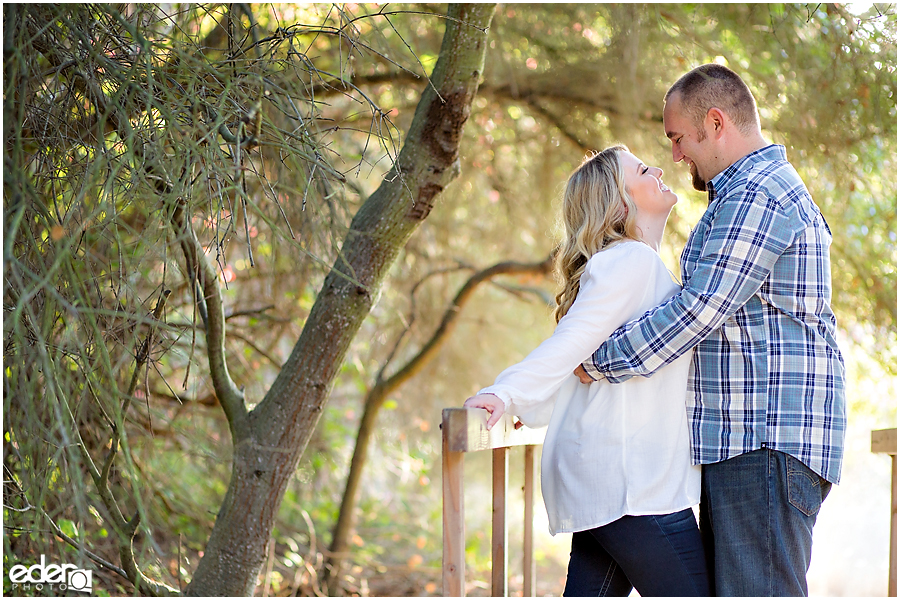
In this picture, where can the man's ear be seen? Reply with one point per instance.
(715, 122)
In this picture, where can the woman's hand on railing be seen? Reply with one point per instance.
(490, 403)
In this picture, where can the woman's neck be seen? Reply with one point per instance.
(652, 230)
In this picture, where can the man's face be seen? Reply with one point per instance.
(689, 144)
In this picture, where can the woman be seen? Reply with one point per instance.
(616, 466)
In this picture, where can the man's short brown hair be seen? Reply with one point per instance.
(714, 86)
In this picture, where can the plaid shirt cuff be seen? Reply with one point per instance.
(591, 368)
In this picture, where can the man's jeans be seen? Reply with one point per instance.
(661, 555)
(757, 513)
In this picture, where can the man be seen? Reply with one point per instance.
(765, 401)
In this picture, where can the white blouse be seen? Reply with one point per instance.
(610, 450)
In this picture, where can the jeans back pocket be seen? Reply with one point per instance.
(806, 490)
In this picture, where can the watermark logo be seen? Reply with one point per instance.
(58, 578)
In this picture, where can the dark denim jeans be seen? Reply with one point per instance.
(660, 555)
(757, 513)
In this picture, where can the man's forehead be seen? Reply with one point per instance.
(673, 117)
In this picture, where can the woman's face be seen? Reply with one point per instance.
(644, 184)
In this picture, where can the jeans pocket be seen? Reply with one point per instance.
(804, 487)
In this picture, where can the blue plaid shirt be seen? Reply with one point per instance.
(767, 371)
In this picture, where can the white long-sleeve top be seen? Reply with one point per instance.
(610, 450)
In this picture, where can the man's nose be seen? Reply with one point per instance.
(677, 155)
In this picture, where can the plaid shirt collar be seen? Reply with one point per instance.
(772, 152)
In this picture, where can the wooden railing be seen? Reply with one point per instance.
(463, 430)
(884, 441)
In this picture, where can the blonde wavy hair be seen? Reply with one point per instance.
(597, 213)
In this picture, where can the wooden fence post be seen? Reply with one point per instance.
(499, 531)
(463, 430)
(454, 561)
(884, 441)
(528, 572)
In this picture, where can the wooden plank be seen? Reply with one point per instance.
(499, 531)
(466, 431)
(884, 441)
(892, 574)
(454, 554)
(528, 570)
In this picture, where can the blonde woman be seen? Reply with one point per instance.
(616, 469)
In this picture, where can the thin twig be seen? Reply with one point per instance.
(80, 547)
(249, 312)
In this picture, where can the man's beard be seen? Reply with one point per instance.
(697, 181)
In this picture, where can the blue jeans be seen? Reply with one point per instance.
(660, 555)
(757, 512)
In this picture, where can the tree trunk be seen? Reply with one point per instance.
(267, 453)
